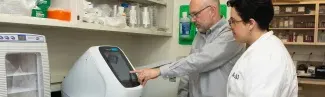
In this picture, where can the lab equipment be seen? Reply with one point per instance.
(24, 65)
(320, 72)
(102, 71)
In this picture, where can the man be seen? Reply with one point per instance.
(212, 57)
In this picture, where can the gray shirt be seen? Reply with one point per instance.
(212, 57)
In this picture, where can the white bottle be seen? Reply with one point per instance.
(121, 17)
(145, 16)
(133, 17)
(120, 11)
(185, 25)
(114, 10)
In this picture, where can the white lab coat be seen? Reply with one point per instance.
(264, 70)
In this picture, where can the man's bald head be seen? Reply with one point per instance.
(211, 2)
(205, 2)
(205, 13)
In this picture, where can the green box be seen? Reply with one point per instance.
(44, 4)
(41, 13)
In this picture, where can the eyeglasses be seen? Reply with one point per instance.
(233, 21)
(194, 15)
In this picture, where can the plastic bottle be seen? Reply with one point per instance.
(133, 16)
(145, 16)
(115, 11)
(185, 25)
(121, 16)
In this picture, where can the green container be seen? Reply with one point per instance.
(187, 40)
(193, 30)
(44, 4)
(38, 12)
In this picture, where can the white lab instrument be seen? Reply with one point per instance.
(24, 67)
(102, 71)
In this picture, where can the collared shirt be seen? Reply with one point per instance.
(212, 57)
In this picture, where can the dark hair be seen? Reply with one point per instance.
(260, 10)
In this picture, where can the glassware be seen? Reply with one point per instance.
(301, 10)
(288, 10)
(300, 38)
(274, 23)
(276, 9)
(286, 22)
(291, 21)
(321, 36)
(281, 23)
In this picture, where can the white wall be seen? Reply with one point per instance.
(168, 49)
(160, 48)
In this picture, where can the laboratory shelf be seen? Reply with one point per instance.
(294, 15)
(320, 43)
(27, 21)
(20, 90)
(292, 28)
(305, 43)
(311, 81)
(295, 3)
(20, 74)
(161, 2)
(299, 43)
(90, 26)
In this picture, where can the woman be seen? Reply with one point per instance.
(266, 68)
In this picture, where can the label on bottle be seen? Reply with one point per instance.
(133, 17)
(276, 8)
(301, 9)
(286, 24)
(288, 9)
(291, 24)
(281, 24)
(185, 28)
(145, 20)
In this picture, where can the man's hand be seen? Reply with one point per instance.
(146, 74)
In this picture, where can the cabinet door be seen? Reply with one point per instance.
(24, 75)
